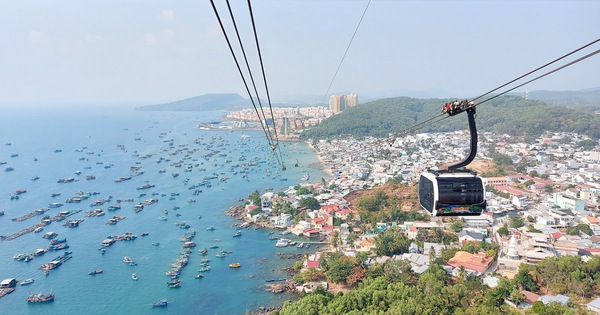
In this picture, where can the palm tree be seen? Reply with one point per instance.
(335, 240)
(462, 274)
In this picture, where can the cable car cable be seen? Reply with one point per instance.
(345, 52)
(247, 64)
(530, 72)
(422, 124)
(265, 81)
(541, 76)
(267, 134)
(272, 144)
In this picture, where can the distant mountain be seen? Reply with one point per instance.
(588, 99)
(512, 115)
(208, 102)
(203, 103)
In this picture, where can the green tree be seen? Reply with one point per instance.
(516, 222)
(391, 242)
(503, 231)
(457, 226)
(339, 267)
(310, 203)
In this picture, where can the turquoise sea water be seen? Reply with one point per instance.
(106, 143)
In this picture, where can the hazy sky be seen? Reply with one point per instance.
(147, 52)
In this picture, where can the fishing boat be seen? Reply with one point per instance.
(234, 265)
(199, 276)
(237, 234)
(134, 276)
(127, 259)
(161, 303)
(27, 281)
(95, 272)
(174, 284)
(210, 228)
(282, 242)
(155, 244)
(40, 298)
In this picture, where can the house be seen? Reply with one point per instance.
(366, 245)
(590, 220)
(466, 236)
(281, 221)
(413, 248)
(490, 281)
(476, 262)
(438, 248)
(412, 232)
(311, 286)
(311, 232)
(313, 264)
(530, 298)
(594, 305)
(564, 300)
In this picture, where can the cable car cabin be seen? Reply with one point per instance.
(452, 193)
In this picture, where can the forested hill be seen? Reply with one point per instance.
(512, 115)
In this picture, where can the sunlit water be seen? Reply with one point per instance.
(77, 133)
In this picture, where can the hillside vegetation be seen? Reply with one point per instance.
(512, 115)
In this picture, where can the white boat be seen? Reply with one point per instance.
(38, 229)
(27, 281)
(282, 242)
(134, 276)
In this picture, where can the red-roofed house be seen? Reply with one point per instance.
(590, 220)
(331, 209)
(513, 191)
(327, 217)
(318, 223)
(311, 232)
(476, 262)
(346, 214)
(327, 229)
(557, 236)
(412, 232)
(313, 263)
(366, 246)
(530, 298)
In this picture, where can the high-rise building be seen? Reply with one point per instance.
(338, 103)
(350, 100)
(335, 103)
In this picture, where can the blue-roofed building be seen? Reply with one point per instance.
(594, 306)
(562, 299)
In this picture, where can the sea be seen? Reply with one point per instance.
(196, 175)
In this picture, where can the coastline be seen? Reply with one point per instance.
(324, 165)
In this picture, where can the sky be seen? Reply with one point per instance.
(141, 52)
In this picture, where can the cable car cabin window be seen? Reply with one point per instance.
(460, 196)
(426, 193)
